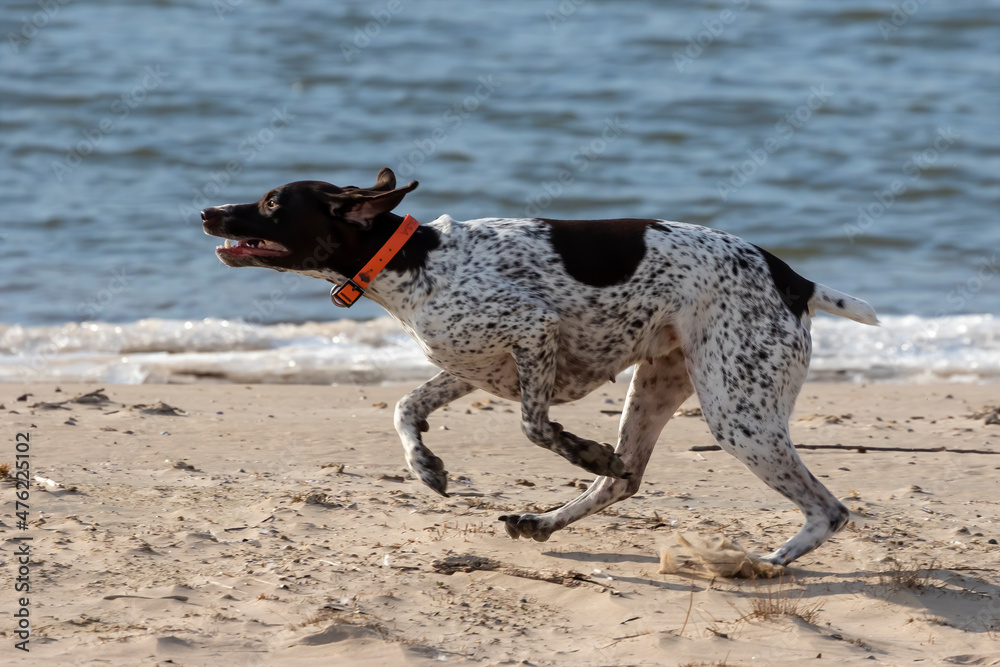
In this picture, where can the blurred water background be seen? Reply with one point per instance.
(859, 141)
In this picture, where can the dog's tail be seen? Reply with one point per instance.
(837, 303)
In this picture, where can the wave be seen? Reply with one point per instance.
(961, 348)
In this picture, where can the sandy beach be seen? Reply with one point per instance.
(231, 524)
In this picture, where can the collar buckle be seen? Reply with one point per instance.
(347, 294)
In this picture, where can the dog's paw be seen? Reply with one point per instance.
(777, 558)
(430, 469)
(525, 525)
(596, 457)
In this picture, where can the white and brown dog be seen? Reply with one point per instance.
(546, 311)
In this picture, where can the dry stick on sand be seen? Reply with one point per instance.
(469, 563)
(862, 449)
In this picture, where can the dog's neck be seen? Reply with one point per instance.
(403, 268)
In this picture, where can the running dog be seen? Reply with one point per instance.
(546, 311)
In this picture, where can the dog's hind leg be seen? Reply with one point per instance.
(411, 419)
(747, 380)
(535, 357)
(657, 390)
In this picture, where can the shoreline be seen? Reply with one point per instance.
(277, 523)
(905, 349)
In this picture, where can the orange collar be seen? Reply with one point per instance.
(347, 294)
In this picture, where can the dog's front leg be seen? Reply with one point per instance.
(411, 419)
(658, 388)
(535, 356)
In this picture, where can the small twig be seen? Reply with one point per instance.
(181, 598)
(688, 614)
(262, 581)
(618, 639)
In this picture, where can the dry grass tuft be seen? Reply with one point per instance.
(781, 603)
(715, 663)
(910, 575)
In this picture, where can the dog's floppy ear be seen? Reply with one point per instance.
(363, 206)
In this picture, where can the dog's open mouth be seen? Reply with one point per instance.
(256, 247)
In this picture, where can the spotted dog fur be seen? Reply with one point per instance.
(546, 311)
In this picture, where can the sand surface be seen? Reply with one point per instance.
(278, 525)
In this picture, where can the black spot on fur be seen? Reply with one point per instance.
(795, 290)
(601, 253)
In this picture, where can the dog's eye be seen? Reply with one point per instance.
(272, 203)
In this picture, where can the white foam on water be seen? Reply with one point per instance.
(960, 348)
(211, 350)
(963, 348)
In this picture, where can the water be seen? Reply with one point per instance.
(857, 143)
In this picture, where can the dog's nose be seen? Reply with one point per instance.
(213, 213)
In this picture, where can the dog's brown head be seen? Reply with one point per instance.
(308, 226)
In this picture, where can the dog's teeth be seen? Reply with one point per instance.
(229, 243)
